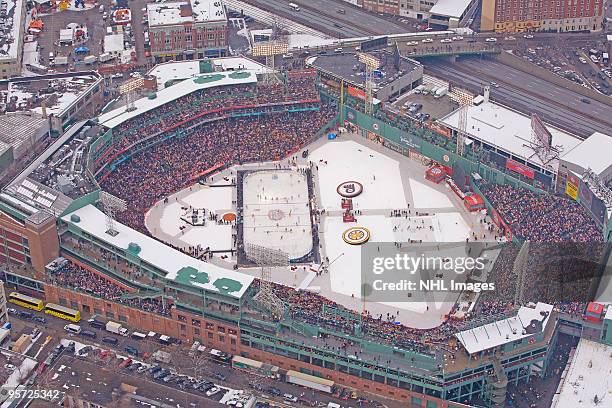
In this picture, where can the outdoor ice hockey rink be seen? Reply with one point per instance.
(276, 211)
(276, 215)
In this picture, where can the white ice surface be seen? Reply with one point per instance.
(425, 196)
(350, 161)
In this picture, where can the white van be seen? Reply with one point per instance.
(73, 328)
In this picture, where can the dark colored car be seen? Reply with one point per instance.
(132, 350)
(110, 340)
(88, 333)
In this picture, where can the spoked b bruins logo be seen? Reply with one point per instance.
(350, 189)
(356, 235)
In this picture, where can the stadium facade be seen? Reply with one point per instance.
(215, 306)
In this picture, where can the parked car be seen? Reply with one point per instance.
(491, 39)
(212, 391)
(274, 391)
(26, 315)
(110, 340)
(290, 398)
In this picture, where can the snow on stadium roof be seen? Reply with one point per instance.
(592, 153)
(508, 130)
(118, 116)
(588, 374)
(179, 267)
(504, 331)
(180, 70)
(450, 8)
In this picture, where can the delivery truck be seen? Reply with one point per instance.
(116, 328)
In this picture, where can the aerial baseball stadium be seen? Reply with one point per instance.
(237, 208)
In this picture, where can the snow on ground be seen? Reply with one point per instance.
(297, 41)
(351, 161)
(216, 200)
(215, 236)
(211, 198)
(452, 227)
(425, 196)
(276, 211)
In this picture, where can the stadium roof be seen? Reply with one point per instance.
(593, 153)
(508, 130)
(505, 331)
(180, 70)
(117, 116)
(179, 267)
(588, 374)
(450, 8)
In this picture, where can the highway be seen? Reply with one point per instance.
(322, 15)
(556, 105)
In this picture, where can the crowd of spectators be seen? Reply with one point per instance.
(80, 279)
(211, 99)
(542, 217)
(165, 168)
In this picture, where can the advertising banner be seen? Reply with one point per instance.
(356, 93)
(571, 186)
(520, 168)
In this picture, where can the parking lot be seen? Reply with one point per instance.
(430, 108)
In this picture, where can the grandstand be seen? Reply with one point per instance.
(188, 146)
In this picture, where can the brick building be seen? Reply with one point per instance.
(187, 30)
(542, 15)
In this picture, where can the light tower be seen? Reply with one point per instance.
(371, 63)
(112, 205)
(270, 49)
(266, 259)
(129, 89)
(465, 102)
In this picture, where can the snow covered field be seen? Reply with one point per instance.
(216, 200)
(351, 161)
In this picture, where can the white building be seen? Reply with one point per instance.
(586, 381)
(450, 13)
(12, 18)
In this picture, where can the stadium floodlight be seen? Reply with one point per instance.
(371, 63)
(112, 205)
(128, 89)
(369, 60)
(270, 49)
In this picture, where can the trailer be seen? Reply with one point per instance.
(309, 381)
(90, 59)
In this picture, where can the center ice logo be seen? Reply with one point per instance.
(350, 189)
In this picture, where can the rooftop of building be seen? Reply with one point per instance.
(58, 92)
(178, 266)
(14, 368)
(11, 27)
(587, 381)
(180, 70)
(17, 128)
(527, 323)
(346, 65)
(450, 8)
(510, 131)
(196, 11)
(589, 153)
(59, 175)
(118, 116)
